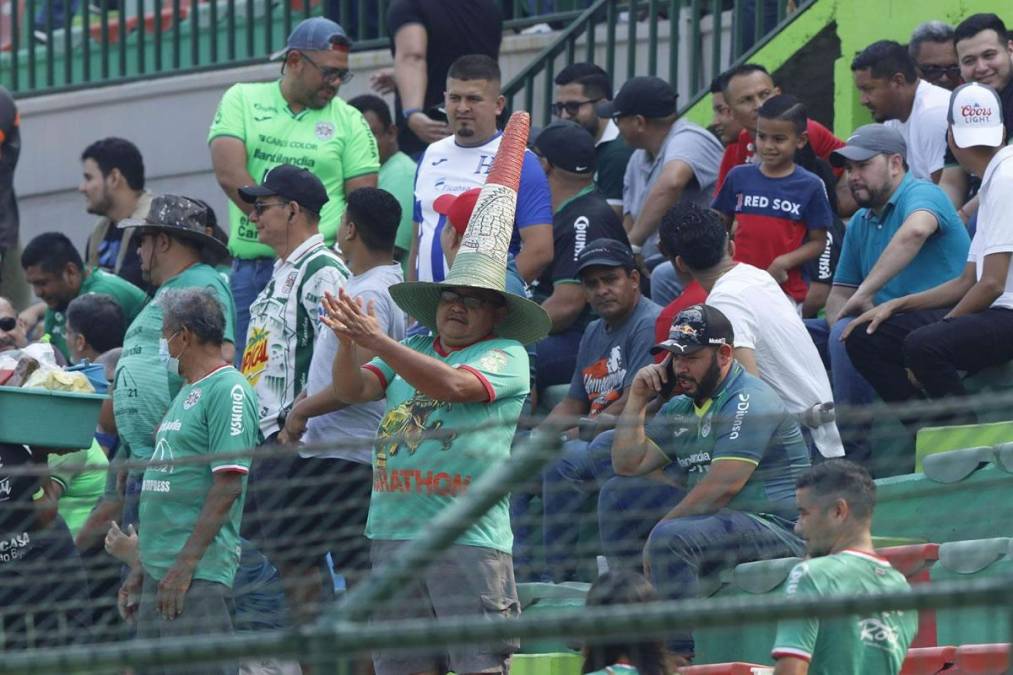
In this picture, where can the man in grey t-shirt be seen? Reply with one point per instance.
(611, 352)
(326, 498)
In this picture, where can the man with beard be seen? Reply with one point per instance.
(112, 182)
(723, 457)
(835, 503)
(297, 120)
(906, 238)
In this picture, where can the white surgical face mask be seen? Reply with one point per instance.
(171, 363)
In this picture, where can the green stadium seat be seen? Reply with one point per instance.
(542, 599)
(932, 440)
(982, 659)
(963, 560)
(546, 664)
(928, 660)
(956, 465)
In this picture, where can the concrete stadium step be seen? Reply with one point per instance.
(975, 559)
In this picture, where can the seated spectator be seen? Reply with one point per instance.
(623, 588)
(889, 87)
(190, 512)
(931, 47)
(778, 212)
(328, 488)
(611, 352)
(727, 454)
(835, 502)
(397, 170)
(693, 293)
(13, 332)
(674, 160)
(580, 215)
(965, 323)
(723, 125)
(113, 189)
(579, 89)
(94, 325)
(57, 274)
(906, 238)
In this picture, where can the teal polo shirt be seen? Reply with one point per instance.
(941, 258)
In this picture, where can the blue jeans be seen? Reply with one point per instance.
(249, 277)
(849, 387)
(59, 15)
(665, 284)
(556, 358)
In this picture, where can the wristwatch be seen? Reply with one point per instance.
(405, 114)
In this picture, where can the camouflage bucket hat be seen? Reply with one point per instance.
(185, 218)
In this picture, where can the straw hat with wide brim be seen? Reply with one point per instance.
(185, 218)
(481, 261)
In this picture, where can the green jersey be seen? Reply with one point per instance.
(397, 176)
(130, 298)
(743, 421)
(856, 644)
(82, 475)
(143, 388)
(617, 669)
(414, 479)
(334, 143)
(210, 420)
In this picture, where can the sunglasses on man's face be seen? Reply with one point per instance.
(8, 323)
(939, 71)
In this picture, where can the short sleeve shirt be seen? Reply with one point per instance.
(82, 476)
(414, 479)
(397, 176)
(874, 643)
(774, 216)
(130, 298)
(10, 150)
(995, 230)
(821, 270)
(284, 323)
(143, 388)
(213, 420)
(449, 168)
(743, 421)
(924, 130)
(940, 259)
(17, 510)
(611, 157)
(686, 142)
(334, 143)
(609, 358)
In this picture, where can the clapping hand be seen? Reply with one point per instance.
(351, 322)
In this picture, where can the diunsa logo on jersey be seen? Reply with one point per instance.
(192, 399)
(324, 130)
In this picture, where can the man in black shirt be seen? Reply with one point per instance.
(581, 214)
(426, 37)
(10, 148)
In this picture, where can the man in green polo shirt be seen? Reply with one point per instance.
(296, 120)
(57, 274)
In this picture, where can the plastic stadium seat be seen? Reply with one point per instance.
(543, 599)
(976, 559)
(737, 668)
(928, 660)
(546, 664)
(955, 465)
(932, 440)
(990, 659)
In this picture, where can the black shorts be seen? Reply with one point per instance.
(299, 509)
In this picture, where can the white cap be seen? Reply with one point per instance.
(975, 116)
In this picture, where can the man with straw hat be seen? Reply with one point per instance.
(467, 382)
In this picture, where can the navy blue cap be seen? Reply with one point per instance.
(567, 145)
(605, 252)
(315, 34)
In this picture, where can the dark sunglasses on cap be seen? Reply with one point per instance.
(8, 323)
(469, 301)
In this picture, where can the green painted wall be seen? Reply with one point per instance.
(859, 23)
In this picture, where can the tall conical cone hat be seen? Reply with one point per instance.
(481, 261)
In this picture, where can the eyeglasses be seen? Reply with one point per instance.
(931, 71)
(571, 107)
(330, 74)
(469, 301)
(8, 323)
(260, 207)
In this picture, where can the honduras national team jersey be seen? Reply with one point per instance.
(449, 168)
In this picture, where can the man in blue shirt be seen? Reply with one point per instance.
(907, 237)
(717, 465)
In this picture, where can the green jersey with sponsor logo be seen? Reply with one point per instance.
(743, 421)
(334, 143)
(143, 388)
(284, 323)
(876, 643)
(130, 298)
(415, 479)
(208, 423)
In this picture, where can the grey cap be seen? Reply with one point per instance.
(867, 142)
(315, 34)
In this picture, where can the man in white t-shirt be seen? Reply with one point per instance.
(460, 162)
(326, 498)
(887, 79)
(770, 339)
(965, 324)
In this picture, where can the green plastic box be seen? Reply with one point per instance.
(55, 419)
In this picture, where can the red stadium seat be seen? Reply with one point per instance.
(982, 659)
(727, 669)
(928, 660)
(914, 562)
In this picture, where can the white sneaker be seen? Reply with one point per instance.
(537, 29)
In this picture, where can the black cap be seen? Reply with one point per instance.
(645, 95)
(567, 145)
(694, 328)
(185, 218)
(291, 182)
(605, 253)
